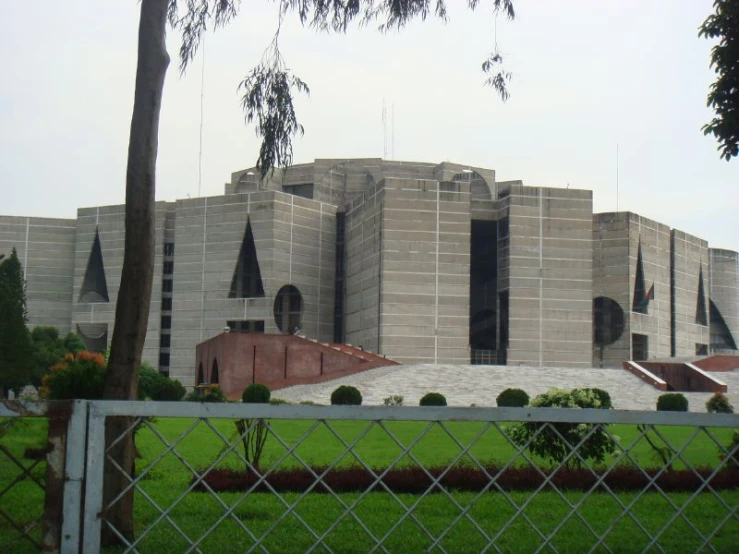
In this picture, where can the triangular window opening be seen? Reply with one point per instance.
(214, 373)
(641, 303)
(247, 278)
(701, 316)
(721, 337)
(94, 285)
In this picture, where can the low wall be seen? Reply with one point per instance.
(277, 361)
(684, 377)
(645, 375)
(718, 363)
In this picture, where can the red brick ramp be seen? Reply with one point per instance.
(718, 363)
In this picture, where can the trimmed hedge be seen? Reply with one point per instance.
(512, 398)
(433, 399)
(672, 402)
(346, 395)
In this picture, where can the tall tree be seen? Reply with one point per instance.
(723, 95)
(15, 346)
(268, 102)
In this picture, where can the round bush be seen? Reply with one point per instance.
(672, 402)
(256, 393)
(346, 395)
(602, 396)
(512, 398)
(208, 393)
(719, 404)
(433, 399)
(166, 389)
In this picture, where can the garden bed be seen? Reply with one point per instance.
(413, 480)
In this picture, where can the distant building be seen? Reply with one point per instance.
(435, 263)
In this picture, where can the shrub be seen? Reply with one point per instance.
(166, 389)
(733, 459)
(512, 398)
(346, 395)
(256, 393)
(308, 403)
(672, 402)
(147, 376)
(719, 404)
(80, 375)
(206, 393)
(394, 400)
(278, 401)
(556, 441)
(603, 397)
(433, 399)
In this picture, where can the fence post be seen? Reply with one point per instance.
(74, 478)
(92, 523)
(59, 413)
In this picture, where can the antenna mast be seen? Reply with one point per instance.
(384, 130)
(202, 90)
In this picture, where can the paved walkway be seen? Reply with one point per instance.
(464, 385)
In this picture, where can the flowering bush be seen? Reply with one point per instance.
(556, 441)
(79, 375)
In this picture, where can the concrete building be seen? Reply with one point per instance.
(418, 262)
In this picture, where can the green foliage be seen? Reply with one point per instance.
(157, 386)
(433, 399)
(256, 393)
(80, 375)
(672, 402)
(512, 398)
(723, 25)
(278, 401)
(206, 393)
(556, 441)
(394, 400)
(733, 457)
(49, 349)
(719, 404)
(346, 395)
(15, 343)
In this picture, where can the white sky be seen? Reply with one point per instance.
(588, 75)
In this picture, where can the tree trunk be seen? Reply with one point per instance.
(134, 295)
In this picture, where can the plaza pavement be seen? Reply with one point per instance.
(464, 385)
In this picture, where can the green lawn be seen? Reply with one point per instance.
(169, 479)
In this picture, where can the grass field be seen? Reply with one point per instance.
(168, 480)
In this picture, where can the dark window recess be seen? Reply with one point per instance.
(641, 301)
(163, 360)
(168, 268)
(639, 347)
(201, 378)
(288, 308)
(166, 304)
(701, 349)
(247, 278)
(608, 321)
(721, 337)
(214, 373)
(246, 326)
(483, 285)
(503, 303)
(340, 277)
(94, 336)
(167, 285)
(94, 285)
(304, 191)
(503, 228)
(169, 249)
(165, 341)
(166, 322)
(701, 314)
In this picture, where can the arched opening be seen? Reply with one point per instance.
(200, 380)
(214, 373)
(479, 189)
(288, 309)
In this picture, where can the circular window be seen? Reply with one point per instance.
(608, 321)
(288, 307)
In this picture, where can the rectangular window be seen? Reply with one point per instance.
(169, 249)
(166, 322)
(165, 341)
(163, 360)
(639, 347)
(168, 268)
(167, 285)
(166, 304)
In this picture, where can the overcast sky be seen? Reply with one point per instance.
(587, 75)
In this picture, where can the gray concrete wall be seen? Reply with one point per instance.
(690, 258)
(90, 318)
(294, 240)
(549, 276)
(724, 287)
(425, 271)
(45, 248)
